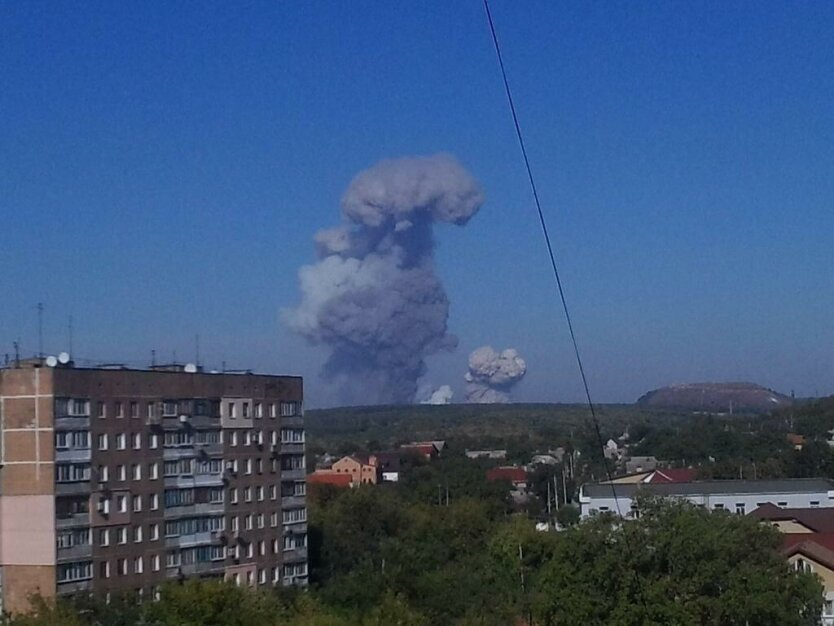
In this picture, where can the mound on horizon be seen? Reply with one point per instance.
(716, 398)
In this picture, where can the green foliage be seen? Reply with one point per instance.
(676, 565)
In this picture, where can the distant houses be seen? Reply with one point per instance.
(380, 467)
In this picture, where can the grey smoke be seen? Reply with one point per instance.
(492, 375)
(373, 298)
(441, 395)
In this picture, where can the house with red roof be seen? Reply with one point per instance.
(672, 475)
(517, 476)
(328, 477)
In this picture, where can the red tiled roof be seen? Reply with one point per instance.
(816, 546)
(513, 474)
(426, 449)
(820, 520)
(673, 475)
(329, 478)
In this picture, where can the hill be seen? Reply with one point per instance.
(716, 398)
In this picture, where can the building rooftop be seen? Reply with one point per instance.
(819, 520)
(710, 487)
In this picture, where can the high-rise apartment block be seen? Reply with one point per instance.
(115, 480)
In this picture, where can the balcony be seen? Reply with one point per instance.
(186, 481)
(79, 488)
(75, 553)
(188, 510)
(291, 528)
(180, 452)
(71, 520)
(74, 455)
(296, 555)
(293, 474)
(289, 447)
(295, 420)
(72, 422)
(293, 502)
(189, 541)
(203, 568)
(76, 586)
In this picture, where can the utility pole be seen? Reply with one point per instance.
(548, 500)
(564, 487)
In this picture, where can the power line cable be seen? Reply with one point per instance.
(550, 251)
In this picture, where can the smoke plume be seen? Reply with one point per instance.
(441, 395)
(492, 375)
(373, 298)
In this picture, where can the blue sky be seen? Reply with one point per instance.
(164, 166)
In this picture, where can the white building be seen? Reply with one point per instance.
(736, 496)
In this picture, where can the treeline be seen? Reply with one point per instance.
(443, 548)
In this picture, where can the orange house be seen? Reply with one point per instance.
(360, 470)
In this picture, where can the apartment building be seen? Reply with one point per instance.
(116, 480)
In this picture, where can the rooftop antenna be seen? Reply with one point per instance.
(197, 349)
(69, 333)
(153, 358)
(16, 353)
(40, 330)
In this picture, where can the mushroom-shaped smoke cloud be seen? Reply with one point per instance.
(492, 375)
(373, 298)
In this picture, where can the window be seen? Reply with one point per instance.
(292, 435)
(104, 537)
(248, 466)
(232, 410)
(233, 439)
(137, 441)
(273, 519)
(246, 410)
(172, 559)
(151, 409)
(153, 471)
(740, 508)
(122, 474)
(80, 408)
(121, 535)
(801, 565)
(71, 538)
(79, 570)
(101, 410)
(259, 520)
(233, 523)
(250, 552)
(137, 503)
(119, 409)
(828, 608)
(289, 409)
(179, 497)
(247, 494)
(120, 441)
(72, 472)
(138, 565)
(136, 471)
(273, 492)
(155, 563)
(121, 504)
(154, 532)
(169, 408)
(259, 410)
(273, 411)
(782, 504)
(233, 495)
(262, 575)
(154, 502)
(153, 441)
(274, 546)
(718, 507)
(137, 534)
(134, 409)
(247, 522)
(815, 504)
(292, 516)
(216, 495)
(259, 493)
(121, 566)
(101, 442)
(104, 569)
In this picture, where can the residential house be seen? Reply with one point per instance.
(329, 477)
(427, 449)
(797, 441)
(387, 464)
(808, 544)
(638, 464)
(359, 468)
(738, 496)
(486, 454)
(516, 476)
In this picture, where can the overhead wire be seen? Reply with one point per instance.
(550, 251)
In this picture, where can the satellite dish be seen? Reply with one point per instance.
(63, 358)
(51, 361)
(190, 368)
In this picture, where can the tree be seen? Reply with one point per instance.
(677, 565)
